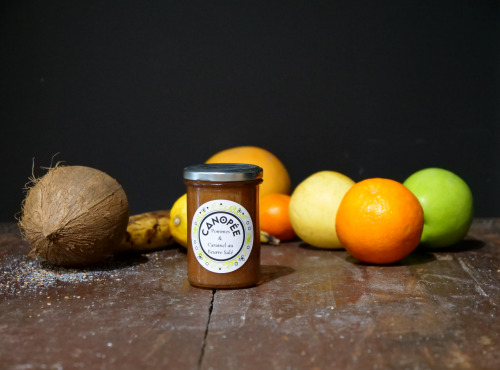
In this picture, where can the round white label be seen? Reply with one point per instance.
(221, 235)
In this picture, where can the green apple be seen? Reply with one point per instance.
(447, 203)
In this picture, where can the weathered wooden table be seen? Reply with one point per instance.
(314, 309)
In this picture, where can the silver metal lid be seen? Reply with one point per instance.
(223, 172)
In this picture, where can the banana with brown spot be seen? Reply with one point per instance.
(148, 231)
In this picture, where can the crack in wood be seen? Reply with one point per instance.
(204, 342)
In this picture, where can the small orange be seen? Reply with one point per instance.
(274, 216)
(379, 221)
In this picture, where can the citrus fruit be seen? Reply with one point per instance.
(274, 217)
(379, 221)
(313, 208)
(275, 175)
(447, 203)
(178, 220)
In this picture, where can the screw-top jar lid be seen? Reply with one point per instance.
(223, 172)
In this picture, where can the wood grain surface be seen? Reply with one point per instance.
(314, 309)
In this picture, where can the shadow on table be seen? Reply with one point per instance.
(416, 258)
(462, 246)
(420, 256)
(121, 261)
(304, 245)
(273, 272)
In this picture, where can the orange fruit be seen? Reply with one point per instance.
(379, 221)
(274, 216)
(275, 175)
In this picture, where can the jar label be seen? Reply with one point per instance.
(222, 235)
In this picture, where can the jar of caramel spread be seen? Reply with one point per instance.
(223, 225)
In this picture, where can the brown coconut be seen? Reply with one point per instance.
(75, 216)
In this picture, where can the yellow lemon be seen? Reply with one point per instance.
(178, 220)
(313, 208)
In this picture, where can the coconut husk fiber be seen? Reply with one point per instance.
(74, 216)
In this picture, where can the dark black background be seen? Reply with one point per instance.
(140, 89)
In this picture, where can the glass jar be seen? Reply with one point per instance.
(223, 225)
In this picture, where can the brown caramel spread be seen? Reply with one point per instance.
(223, 225)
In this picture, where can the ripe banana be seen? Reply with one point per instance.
(266, 238)
(147, 231)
